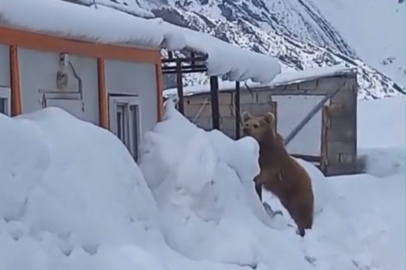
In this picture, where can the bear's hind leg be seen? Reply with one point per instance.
(288, 205)
(301, 231)
(258, 189)
(303, 217)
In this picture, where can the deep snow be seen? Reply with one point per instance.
(71, 197)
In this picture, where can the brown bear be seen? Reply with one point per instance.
(280, 173)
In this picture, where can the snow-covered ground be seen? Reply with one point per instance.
(71, 197)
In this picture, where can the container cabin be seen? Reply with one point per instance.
(107, 72)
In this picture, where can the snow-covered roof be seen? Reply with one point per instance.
(223, 58)
(296, 76)
(284, 78)
(105, 25)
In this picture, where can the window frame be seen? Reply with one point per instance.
(130, 140)
(5, 94)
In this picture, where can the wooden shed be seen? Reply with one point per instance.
(328, 139)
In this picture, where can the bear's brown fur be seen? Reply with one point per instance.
(280, 173)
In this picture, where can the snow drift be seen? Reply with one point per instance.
(61, 201)
(72, 197)
(383, 149)
(206, 187)
(203, 184)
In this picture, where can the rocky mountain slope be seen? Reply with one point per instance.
(291, 30)
(378, 37)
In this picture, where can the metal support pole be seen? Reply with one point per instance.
(214, 95)
(179, 84)
(310, 115)
(237, 110)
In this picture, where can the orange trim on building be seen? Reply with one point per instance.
(15, 82)
(103, 95)
(159, 90)
(17, 38)
(42, 42)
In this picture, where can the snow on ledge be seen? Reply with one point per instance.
(102, 25)
(284, 78)
(107, 25)
(230, 61)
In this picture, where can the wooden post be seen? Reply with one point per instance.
(15, 82)
(159, 89)
(103, 96)
(274, 110)
(179, 84)
(237, 110)
(214, 94)
(325, 119)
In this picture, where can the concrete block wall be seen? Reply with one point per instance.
(340, 130)
(198, 108)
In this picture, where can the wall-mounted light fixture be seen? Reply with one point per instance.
(62, 75)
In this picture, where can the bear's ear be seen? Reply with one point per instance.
(245, 117)
(269, 118)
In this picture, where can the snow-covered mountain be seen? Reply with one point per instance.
(294, 31)
(377, 36)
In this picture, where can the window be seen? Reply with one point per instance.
(125, 121)
(120, 123)
(135, 124)
(120, 128)
(5, 105)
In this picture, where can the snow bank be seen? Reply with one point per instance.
(375, 209)
(386, 117)
(107, 25)
(383, 149)
(197, 191)
(72, 197)
(59, 195)
(203, 183)
(374, 201)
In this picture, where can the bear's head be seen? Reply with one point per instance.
(261, 128)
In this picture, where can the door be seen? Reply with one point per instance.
(125, 121)
(5, 100)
